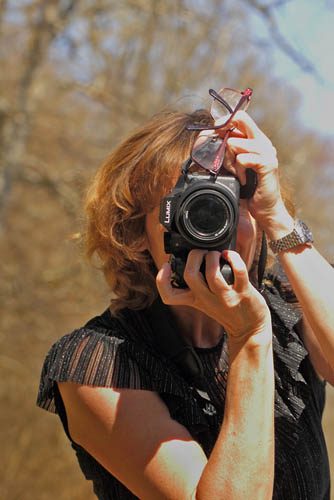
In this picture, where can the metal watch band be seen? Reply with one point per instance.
(299, 236)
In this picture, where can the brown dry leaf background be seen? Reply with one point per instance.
(76, 78)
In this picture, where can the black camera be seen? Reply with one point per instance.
(202, 211)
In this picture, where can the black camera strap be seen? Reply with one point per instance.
(262, 262)
(172, 344)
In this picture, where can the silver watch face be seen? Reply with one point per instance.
(303, 232)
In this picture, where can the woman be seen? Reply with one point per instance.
(141, 428)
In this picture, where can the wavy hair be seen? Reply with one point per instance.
(129, 185)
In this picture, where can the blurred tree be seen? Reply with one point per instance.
(119, 57)
(76, 78)
(43, 21)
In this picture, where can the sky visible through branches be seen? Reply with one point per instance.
(308, 27)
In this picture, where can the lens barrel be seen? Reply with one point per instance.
(207, 216)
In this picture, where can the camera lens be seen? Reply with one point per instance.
(206, 216)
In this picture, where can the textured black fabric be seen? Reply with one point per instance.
(104, 353)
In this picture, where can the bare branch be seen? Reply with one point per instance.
(14, 132)
(67, 196)
(267, 13)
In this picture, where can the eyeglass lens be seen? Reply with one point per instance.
(219, 111)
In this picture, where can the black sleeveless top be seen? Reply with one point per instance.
(125, 354)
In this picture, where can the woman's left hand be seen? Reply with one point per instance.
(249, 147)
(311, 277)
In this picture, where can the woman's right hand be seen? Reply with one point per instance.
(238, 307)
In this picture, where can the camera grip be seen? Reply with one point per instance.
(249, 188)
(227, 271)
(178, 265)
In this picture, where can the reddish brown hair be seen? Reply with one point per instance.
(126, 188)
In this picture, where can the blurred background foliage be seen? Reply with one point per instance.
(76, 78)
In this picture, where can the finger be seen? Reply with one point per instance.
(259, 163)
(241, 279)
(168, 294)
(232, 131)
(228, 128)
(214, 277)
(242, 145)
(263, 150)
(229, 161)
(241, 174)
(192, 274)
(235, 132)
(247, 125)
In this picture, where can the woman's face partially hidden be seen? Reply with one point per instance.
(246, 236)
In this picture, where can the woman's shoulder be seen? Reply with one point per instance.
(107, 351)
(79, 357)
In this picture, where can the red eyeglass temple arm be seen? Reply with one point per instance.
(245, 95)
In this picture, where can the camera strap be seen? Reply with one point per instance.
(171, 343)
(262, 263)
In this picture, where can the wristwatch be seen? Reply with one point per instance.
(299, 236)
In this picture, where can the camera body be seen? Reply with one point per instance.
(202, 211)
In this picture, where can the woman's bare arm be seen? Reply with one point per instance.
(131, 433)
(311, 277)
(242, 462)
(312, 280)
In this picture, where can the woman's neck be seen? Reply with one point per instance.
(196, 327)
